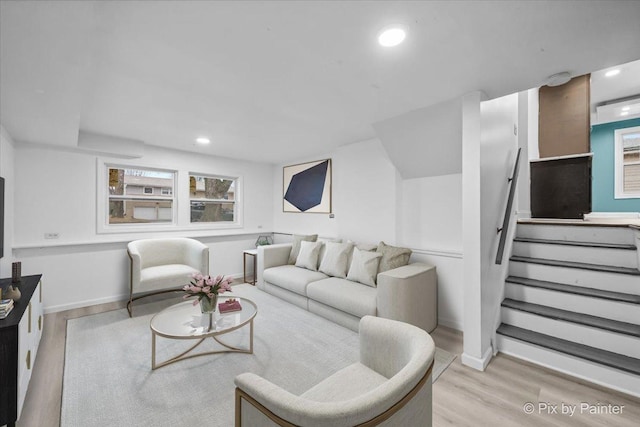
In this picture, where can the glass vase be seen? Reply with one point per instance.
(208, 305)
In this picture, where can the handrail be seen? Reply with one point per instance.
(507, 213)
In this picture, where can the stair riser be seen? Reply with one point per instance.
(623, 312)
(593, 337)
(621, 235)
(615, 282)
(585, 254)
(596, 373)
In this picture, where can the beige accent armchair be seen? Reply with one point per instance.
(389, 386)
(164, 265)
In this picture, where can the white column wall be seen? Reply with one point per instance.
(497, 155)
(473, 353)
(489, 147)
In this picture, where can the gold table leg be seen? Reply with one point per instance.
(183, 355)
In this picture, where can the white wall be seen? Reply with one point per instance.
(56, 192)
(372, 203)
(431, 224)
(425, 142)
(363, 193)
(7, 172)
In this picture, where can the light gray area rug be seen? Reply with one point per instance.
(108, 379)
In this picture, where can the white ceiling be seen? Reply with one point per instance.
(280, 80)
(609, 95)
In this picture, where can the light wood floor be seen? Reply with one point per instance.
(461, 397)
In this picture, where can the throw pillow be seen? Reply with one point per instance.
(308, 256)
(392, 257)
(295, 247)
(336, 257)
(364, 267)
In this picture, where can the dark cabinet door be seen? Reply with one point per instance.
(561, 188)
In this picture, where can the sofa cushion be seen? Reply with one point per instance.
(392, 257)
(295, 245)
(165, 277)
(308, 255)
(347, 383)
(336, 258)
(345, 295)
(364, 267)
(292, 278)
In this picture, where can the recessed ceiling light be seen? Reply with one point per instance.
(627, 108)
(203, 140)
(392, 36)
(613, 72)
(624, 113)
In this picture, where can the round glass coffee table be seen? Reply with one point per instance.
(184, 321)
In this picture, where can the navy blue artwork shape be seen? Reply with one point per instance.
(306, 187)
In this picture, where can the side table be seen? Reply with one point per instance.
(254, 254)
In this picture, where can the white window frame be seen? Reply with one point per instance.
(102, 216)
(237, 203)
(619, 192)
(181, 200)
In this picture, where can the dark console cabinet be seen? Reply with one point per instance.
(20, 334)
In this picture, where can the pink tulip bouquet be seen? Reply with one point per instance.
(206, 287)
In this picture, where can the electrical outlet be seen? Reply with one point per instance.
(259, 226)
(51, 235)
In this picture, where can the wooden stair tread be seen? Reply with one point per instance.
(571, 316)
(603, 357)
(576, 243)
(576, 290)
(581, 265)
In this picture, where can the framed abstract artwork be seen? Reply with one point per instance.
(307, 187)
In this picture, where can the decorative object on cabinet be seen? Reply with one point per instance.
(307, 187)
(12, 293)
(16, 272)
(20, 336)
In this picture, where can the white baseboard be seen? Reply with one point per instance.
(449, 323)
(474, 362)
(86, 303)
(106, 300)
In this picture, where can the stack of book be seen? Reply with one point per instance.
(229, 305)
(6, 305)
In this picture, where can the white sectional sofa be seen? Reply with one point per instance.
(407, 293)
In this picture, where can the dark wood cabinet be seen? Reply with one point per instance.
(20, 334)
(561, 187)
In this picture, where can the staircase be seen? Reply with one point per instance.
(572, 302)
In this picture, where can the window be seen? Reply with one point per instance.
(627, 163)
(213, 199)
(139, 196)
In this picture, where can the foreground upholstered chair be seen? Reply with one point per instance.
(389, 386)
(164, 265)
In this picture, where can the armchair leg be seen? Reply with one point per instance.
(132, 298)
